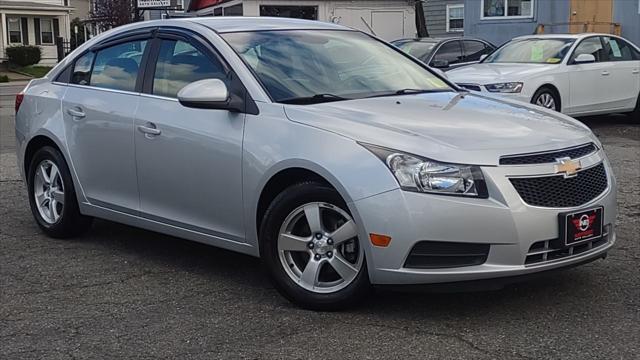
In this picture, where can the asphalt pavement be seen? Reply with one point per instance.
(121, 292)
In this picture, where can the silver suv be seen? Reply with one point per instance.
(337, 159)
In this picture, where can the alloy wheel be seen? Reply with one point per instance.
(546, 100)
(318, 247)
(48, 191)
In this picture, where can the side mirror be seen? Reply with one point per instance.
(483, 56)
(584, 59)
(205, 94)
(440, 64)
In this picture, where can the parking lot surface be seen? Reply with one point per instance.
(121, 292)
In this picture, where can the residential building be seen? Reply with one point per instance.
(390, 19)
(444, 18)
(499, 21)
(175, 8)
(34, 23)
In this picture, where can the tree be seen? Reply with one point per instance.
(112, 13)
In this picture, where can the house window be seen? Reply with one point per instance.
(455, 17)
(46, 31)
(504, 9)
(15, 31)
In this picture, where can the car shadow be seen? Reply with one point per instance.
(243, 274)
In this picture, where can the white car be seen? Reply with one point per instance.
(583, 74)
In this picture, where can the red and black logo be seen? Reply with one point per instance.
(582, 225)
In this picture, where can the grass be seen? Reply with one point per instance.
(35, 70)
(4, 78)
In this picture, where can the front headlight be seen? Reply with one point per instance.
(415, 173)
(509, 87)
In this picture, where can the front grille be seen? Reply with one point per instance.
(548, 157)
(439, 254)
(549, 250)
(558, 192)
(473, 87)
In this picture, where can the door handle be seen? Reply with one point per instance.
(76, 113)
(149, 130)
(635, 71)
(605, 73)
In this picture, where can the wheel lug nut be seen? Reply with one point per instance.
(317, 257)
(310, 245)
(318, 236)
(330, 241)
(329, 253)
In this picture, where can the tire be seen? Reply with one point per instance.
(292, 270)
(635, 114)
(58, 214)
(546, 98)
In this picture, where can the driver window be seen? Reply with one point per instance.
(179, 64)
(592, 46)
(450, 51)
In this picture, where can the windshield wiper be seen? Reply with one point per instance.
(408, 92)
(314, 99)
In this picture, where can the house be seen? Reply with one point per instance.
(34, 23)
(390, 19)
(444, 18)
(499, 21)
(164, 9)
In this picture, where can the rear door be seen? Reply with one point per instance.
(98, 109)
(189, 160)
(624, 71)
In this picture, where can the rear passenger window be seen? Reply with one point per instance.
(116, 67)
(179, 63)
(82, 69)
(619, 50)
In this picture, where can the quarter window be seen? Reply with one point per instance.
(619, 50)
(507, 8)
(455, 18)
(449, 51)
(179, 63)
(46, 31)
(15, 31)
(591, 46)
(116, 67)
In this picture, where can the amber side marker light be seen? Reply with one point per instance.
(380, 240)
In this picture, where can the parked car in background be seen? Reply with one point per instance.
(584, 74)
(338, 159)
(446, 53)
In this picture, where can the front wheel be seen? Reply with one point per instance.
(546, 98)
(310, 247)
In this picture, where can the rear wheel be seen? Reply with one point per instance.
(52, 197)
(546, 98)
(310, 247)
(636, 112)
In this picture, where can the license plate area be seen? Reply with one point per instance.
(580, 226)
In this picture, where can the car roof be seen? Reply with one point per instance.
(228, 24)
(560, 36)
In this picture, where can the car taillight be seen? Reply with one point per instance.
(19, 99)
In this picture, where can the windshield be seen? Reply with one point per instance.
(311, 66)
(534, 51)
(418, 49)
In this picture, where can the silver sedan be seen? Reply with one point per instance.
(337, 159)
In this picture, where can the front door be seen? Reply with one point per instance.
(588, 82)
(98, 109)
(189, 160)
(591, 16)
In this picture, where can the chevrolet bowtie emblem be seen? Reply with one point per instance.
(568, 167)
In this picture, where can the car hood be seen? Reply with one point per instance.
(492, 73)
(447, 126)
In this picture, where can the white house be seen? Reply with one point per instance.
(36, 22)
(388, 19)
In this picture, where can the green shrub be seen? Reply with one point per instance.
(24, 55)
(4, 78)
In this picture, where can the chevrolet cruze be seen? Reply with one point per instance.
(337, 159)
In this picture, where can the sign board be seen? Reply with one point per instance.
(153, 3)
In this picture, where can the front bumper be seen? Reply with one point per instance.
(504, 221)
